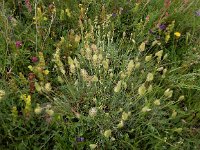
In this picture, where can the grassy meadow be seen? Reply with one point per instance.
(100, 74)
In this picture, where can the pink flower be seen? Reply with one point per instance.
(18, 44)
(28, 5)
(34, 59)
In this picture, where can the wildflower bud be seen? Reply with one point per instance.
(84, 74)
(118, 87)
(70, 61)
(130, 67)
(150, 88)
(168, 93)
(111, 75)
(154, 42)
(157, 102)
(49, 112)
(77, 38)
(146, 109)
(92, 112)
(95, 78)
(88, 53)
(148, 58)
(174, 114)
(18, 44)
(93, 47)
(105, 64)
(179, 130)
(149, 77)
(34, 59)
(46, 72)
(167, 37)
(72, 68)
(47, 87)
(82, 52)
(142, 47)
(38, 87)
(142, 90)
(60, 80)
(107, 133)
(121, 124)
(165, 56)
(137, 65)
(124, 116)
(160, 69)
(182, 97)
(38, 109)
(68, 12)
(100, 57)
(122, 75)
(76, 63)
(95, 59)
(159, 54)
(2, 94)
(30, 67)
(164, 73)
(92, 146)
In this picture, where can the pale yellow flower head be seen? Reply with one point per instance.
(142, 90)
(146, 109)
(2, 94)
(107, 133)
(117, 88)
(93, 146)
(150, 77)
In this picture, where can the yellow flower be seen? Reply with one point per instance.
(177, 34)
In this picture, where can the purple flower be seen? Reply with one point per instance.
(151, 32)
(162, 27)
(197, 13)
(18, 44)
(34, 59)
(114, 14)
(10, 18)
(80, 139)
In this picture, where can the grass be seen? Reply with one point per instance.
(99, 74)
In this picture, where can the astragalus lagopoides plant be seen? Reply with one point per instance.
(119, 98)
